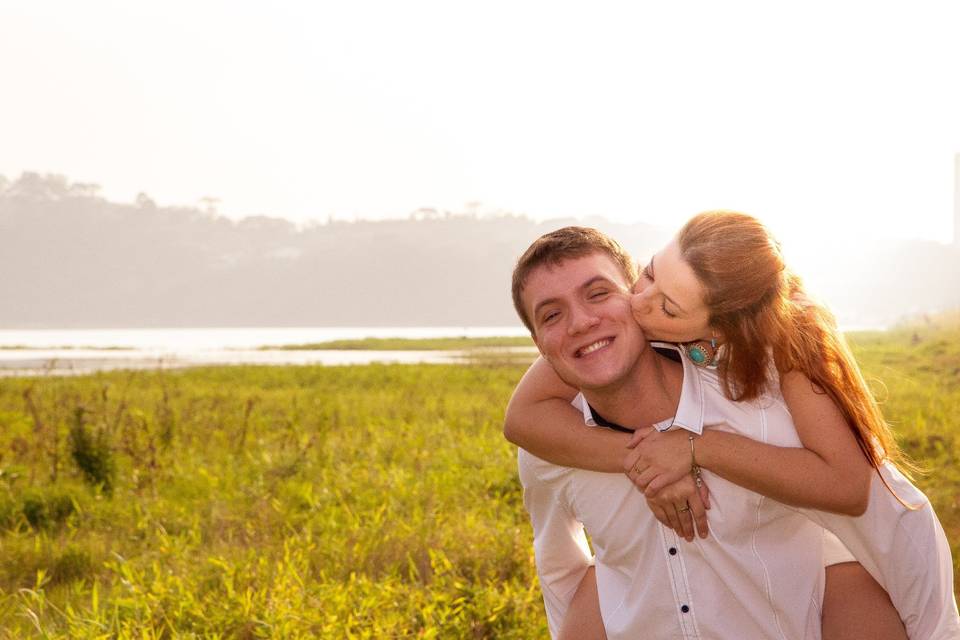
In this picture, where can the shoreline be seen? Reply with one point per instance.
(72, 362)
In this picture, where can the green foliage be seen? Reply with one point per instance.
(268, 502)
(92, 453)
(73, 563)
(376, 501)
(47, 507)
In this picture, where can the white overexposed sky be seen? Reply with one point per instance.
(823, 118)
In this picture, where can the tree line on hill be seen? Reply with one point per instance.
(72, 258)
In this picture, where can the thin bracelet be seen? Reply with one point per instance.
(694, 467)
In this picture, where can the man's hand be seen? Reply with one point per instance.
(681, 505)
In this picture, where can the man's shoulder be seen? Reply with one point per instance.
(537, 470)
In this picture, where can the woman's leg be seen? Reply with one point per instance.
(856, 607)
(583, 621)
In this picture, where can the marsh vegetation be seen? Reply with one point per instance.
(298, 502)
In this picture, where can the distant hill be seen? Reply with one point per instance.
(71, 258)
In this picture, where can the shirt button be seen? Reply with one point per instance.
(673, 551)
(685, 608)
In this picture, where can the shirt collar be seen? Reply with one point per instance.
(689, 414)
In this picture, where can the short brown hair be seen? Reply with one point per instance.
(564, 244)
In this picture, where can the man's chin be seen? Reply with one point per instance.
(592, 382)
(586, 379)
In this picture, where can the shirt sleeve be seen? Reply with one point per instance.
(559, 542)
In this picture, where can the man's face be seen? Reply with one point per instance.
(580, 311)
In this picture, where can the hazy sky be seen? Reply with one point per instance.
(820, 117)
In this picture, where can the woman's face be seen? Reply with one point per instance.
(668, 301)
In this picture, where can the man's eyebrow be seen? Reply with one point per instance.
(671, 300)
(592, 281)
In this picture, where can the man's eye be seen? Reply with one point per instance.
(663, 307)
(550, 317)
(599, 293)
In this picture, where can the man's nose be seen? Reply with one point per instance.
(582, 319)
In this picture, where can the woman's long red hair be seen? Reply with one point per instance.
(762, 311)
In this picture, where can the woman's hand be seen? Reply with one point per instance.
(657, 459)
(680, 505)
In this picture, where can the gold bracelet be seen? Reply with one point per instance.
(694, 467)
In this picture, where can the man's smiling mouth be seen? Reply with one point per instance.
(593, 346)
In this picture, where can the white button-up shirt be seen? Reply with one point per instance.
(759, 574)
(904, 549)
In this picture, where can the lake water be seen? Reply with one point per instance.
(77, 351)
(231, 337)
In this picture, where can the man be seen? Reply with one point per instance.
(758, 575)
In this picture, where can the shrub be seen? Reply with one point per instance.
(47, 509)
(72, 564)
(92, 453)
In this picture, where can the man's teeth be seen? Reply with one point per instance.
(599, 344)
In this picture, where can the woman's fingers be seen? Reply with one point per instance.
(673, 518)
(659, 482)
(638, 436)
(686, 521)
(644, 479)
(704, 493)
(682, 504)
(661, 515)
(699, 512)
(631, 461)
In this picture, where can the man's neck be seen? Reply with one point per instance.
(648, 395)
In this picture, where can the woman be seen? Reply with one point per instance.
(722, 289)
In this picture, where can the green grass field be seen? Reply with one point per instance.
(300, 502)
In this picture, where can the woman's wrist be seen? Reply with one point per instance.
(700, 449)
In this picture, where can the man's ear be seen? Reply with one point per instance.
(533, 336)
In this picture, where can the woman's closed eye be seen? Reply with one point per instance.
(663, 307)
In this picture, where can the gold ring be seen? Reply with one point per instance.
(686, 507)
(637, 469)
